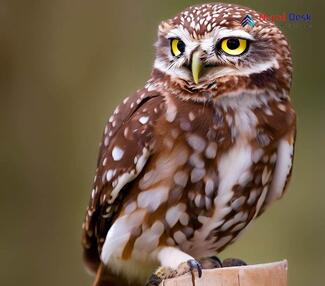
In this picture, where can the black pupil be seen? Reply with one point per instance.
(181, 46)
(232, 43)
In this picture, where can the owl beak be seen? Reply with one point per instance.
(196, 66)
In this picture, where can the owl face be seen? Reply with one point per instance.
(207, 43)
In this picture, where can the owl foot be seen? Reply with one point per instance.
(167, 272)
(210, 262)
(231, 262)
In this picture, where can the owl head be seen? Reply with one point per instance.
(208, 47)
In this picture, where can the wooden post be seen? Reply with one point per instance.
(269, 274)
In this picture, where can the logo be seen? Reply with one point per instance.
(287, 17)
(248, 20)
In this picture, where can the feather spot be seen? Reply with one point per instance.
(152, 198)
(174, 213)
(211, 150)
(125, 100)
(196, 161)
(117, 153)
(106, 141)
(144, 119)
(209, 187)
(171, 112)
(196, 142)
(109, 175)
(179, 237)
(191, 116)
(197, 174)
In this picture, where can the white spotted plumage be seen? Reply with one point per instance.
(187, 163)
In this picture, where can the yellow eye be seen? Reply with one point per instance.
(177, 47)
(234, 46)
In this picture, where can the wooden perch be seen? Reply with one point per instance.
(270, 274)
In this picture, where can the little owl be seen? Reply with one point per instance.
(188, 161)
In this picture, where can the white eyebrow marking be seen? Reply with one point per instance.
(185, 36)
(224, 33)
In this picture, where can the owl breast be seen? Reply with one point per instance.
(205, 181)
(217, 176)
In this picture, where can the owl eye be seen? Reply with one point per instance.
(234, 46)
(177, 47)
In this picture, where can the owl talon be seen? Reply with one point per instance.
(193, 264)
(232, 262)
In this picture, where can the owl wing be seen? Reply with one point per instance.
(126, 146)
(284, 162)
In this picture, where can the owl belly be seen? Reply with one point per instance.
(191, 199)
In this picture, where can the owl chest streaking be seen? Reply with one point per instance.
(192, 158)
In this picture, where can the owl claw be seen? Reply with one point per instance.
(193, 264)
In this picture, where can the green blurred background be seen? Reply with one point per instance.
(64, 66)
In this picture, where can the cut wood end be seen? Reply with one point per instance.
(268, 274)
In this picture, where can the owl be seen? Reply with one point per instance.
(191, 159)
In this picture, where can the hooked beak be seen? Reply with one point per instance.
(196, 66)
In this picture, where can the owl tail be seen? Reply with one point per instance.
(104, 278)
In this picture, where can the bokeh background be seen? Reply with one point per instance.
(64, 66)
